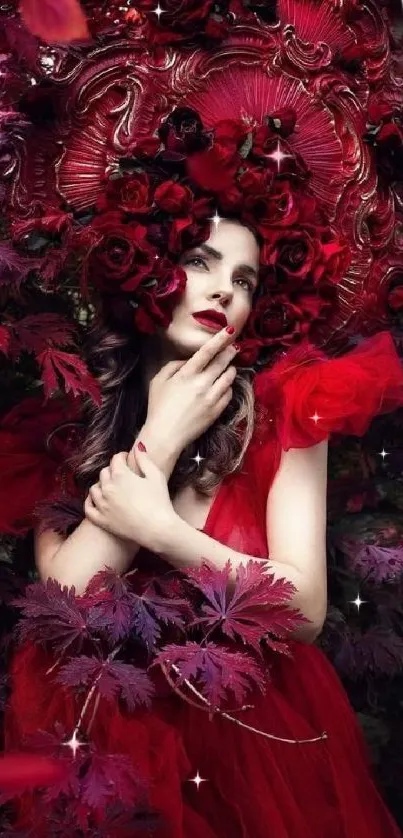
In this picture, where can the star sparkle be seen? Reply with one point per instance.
(74, 743)
(358, 601)
(197, 459)
(158, 11)
(198, 780)
(278, 156)
(215, 219)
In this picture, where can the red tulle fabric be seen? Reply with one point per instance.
(254, 786)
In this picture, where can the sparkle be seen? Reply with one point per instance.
(278, 156)
(197, 459)
(158, 11)
(315, 417)
(384, 453)
(74, 743)
(197, 780)
(215, 219)
(358, 601)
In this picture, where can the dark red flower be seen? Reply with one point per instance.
(299, 253)
(276, 207)
(187, 232)
(157, 303)
(214, 169)
(121, 258)
(172, 197)
(183, 19)
(183, 132)
(129, 193)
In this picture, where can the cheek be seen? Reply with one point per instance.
(242, 313)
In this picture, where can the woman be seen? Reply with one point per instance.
(293, 763)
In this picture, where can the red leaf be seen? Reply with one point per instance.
(14, 268)
(110, 776)
(52, 614)
(113, 679)
(118, 609)
(218, 669)
(19, 772)
(256, 607)
(55, 21)
(36, 332)
(74, 372)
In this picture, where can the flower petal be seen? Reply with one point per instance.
(55, 21)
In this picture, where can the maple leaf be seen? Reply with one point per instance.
(119, 610)
(255, 608)
(110, 777)
(73, 371)
(113, 679)
(36, 332)
(378, 650)
(217, 669)
(52, 615)
(14, 268)
(55, 21)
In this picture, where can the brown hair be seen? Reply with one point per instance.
(113, 355)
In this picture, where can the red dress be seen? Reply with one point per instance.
(254, 786)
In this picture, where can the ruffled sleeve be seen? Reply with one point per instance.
(310, 396)
(35, 442)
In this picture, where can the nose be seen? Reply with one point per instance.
(223, 290)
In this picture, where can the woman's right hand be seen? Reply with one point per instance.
(186, 397)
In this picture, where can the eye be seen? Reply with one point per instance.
(197, 261)
(248, 284)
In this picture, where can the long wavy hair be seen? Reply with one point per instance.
(113, 354)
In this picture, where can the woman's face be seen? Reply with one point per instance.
(222, 276)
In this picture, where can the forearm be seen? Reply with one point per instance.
(90, 548)
(185, 546)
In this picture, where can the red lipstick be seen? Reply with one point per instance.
(211, 318)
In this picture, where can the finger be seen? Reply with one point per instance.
(104, 476)
(219, 364)
(206, 353)
(95, 493)
(223, 383)
(146, 465)
(223, 403)
(117, 461)
(169, 370)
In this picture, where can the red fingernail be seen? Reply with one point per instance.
(230, 330)
(141, 447)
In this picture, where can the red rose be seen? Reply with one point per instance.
(129, 193)
(275, 208)
(156, 304)
(214, 170)
(231, 133)
(121, 258)
(185, 18)
(187, 232)
(183, 132)
(300, 254)
(173, 198)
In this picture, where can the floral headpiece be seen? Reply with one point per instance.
(143, 140)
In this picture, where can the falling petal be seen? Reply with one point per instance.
(55, 21)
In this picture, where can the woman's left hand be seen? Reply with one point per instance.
(129, 506)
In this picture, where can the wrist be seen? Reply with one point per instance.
(164, 450)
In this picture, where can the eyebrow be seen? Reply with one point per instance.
(211, 251)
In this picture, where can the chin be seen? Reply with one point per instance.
(185, 346)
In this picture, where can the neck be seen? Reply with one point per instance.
(154, 355)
